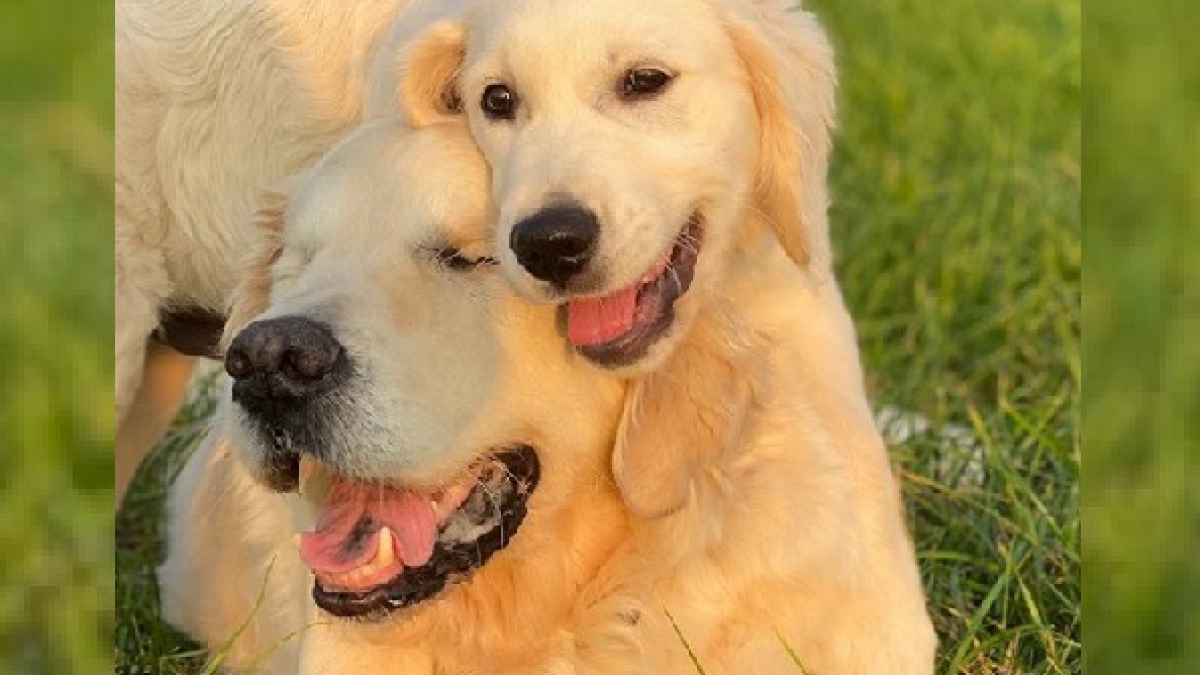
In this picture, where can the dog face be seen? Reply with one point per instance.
(603, 124)
(390, 377)
(637, 151)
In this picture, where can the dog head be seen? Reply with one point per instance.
(637, 151)
(382, 368)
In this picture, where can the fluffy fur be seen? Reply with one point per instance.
(746, 446)
(735, 480)
(454, 357)
(215, 101)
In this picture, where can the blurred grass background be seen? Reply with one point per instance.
(1141, 116)
(56, 326)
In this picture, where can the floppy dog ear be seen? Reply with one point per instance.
(789, 63)
(677, 427)
(429, 73)
(252, 293)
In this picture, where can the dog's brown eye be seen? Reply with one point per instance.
(498, 102)
(641, 82)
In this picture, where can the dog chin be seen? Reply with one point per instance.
(648, 358)
(256, 456)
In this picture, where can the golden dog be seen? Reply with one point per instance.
(452, 453)
(660, 173)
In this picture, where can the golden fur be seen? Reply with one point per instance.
(545, 603)
(734, 479)
(746, 448)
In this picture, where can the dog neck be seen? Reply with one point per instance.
(695, 416)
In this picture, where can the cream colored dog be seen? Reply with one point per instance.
(445, 461)
(457, 513)
(660, 173)
(216, 101)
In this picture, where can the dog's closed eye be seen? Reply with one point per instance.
(455, 260)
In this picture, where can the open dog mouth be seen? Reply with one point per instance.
(618, 329)
(378, 548)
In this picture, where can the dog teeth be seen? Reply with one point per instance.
(368, 573)
(386, 556)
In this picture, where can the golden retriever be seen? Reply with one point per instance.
(452, 453)
(660, 173)
(215, 101)
(445, 458)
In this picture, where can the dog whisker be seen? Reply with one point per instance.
(508, 472)
(689, 239)
(675, 273)
(496, 506)
(690, 247)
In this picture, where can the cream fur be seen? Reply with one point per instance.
(747, 448)
(217, 101)
(749, 494)
(453, 356)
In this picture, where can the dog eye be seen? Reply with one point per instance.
(644, 82)
(454, 260)
(498, 102)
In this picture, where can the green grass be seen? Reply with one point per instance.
(957, 225)
(142, 639)
(56, 512)
(956, 216)
(1142, 311)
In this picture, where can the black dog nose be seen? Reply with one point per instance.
(555, 243)
(288, 357)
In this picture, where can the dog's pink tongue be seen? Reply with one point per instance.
(352, 515)
(593, 321)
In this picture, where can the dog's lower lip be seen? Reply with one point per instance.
(669, 287)
(455, 556)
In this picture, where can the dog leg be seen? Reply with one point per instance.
(232, 578)
(165, 378)
(142, 288)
